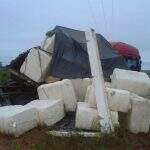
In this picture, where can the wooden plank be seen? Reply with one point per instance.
(98, 82)
(24, 78)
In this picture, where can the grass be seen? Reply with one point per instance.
(46, 142)
(4, 76)
(37, 139)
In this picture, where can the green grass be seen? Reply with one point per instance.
(4, 75)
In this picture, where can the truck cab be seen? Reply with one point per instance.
(130, 53)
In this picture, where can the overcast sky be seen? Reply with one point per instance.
(25, 22)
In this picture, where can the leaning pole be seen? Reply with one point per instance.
(98, 82)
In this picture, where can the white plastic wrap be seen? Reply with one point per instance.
(48, 44)
(80, 87)
(139, 117)
(36, 64)
(133, 81)
(49, 111)
(87, 118)
(118, 100)
(16, 120)
(59, 90)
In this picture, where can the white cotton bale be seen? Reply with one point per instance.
(115, 118)
(118, 100)
(90, 97)
(59, 90)
(87, 118)
(49, 111)
(108, 84)
(133, 81)
(18, 119)
(4, 110)
(80, 87)
(139, 116)
(36, 65)
(48, 44)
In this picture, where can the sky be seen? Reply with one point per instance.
(24, 22)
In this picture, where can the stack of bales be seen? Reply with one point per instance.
(125, 94)
(16, 120)
(138, 83)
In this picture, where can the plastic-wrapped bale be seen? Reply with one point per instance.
(133, 81)
(108, 84)
(49, 111)
(80, 87)
(48, 44)
(118, 100)
(87, 118)
(36, 65)
(59, 90)
(139, 116)
(90, 97)
(16, 120)
(3, 110)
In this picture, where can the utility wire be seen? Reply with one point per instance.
(92, 14)
(112, 17)
(104, 16)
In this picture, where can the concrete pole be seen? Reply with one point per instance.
(98, 82)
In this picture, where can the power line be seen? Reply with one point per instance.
(104, 16)
(92, 14)
(112, 17)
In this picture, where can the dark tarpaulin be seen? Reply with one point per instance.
(70, 57)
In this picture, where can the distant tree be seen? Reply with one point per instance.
(1, 65)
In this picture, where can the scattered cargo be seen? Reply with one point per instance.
(74, 65)
(36, 64)
(118, 100)
(133, 81)
(139, 116)
(59, 90)
(87, 118)
(49, 111)
(16, 120)
(80, 87)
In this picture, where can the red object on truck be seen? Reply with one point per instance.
(126, 50)
(130, 53)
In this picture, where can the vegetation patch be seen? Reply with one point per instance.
(4, 76)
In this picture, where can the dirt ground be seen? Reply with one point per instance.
(37, 139)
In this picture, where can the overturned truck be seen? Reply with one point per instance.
(62, 54)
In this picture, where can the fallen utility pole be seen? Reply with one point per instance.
(98, 82)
